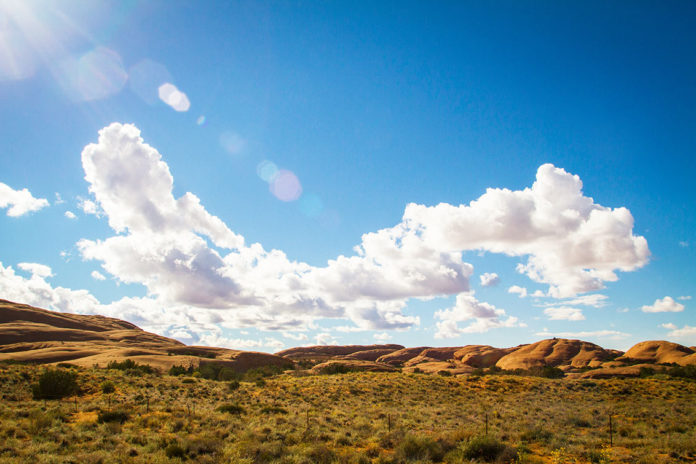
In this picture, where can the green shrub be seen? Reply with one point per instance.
(175, 451)
(417, 448)
(112, 416)
(231, 409)
(55, 384)
(482, 447)
(108, 387)
(180, 370)
(233, 385)
(131, 367)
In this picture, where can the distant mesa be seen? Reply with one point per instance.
(35, 335)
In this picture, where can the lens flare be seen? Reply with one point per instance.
(173, 97)
(145, 79)
(232, 142)
(285, 186)
(201, 120)
(267, 170)
(95, 75)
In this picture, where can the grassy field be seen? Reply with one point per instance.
(132, 416)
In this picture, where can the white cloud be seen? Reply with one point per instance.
(684, 298)
(89, 207)
(200, 275)
(669, 326)
(565, 313)
(572, 244)
(685, 332)
(96, 275)
(521, 291)
(595, 300)
(70, 215)
(384, 336)
(325, 338)
(684, 244)
(36, 269)
(664, 305)
(295, 336)
(489, 279)
(173, 97)
(484, 317)
(59, 200)
(19, 202)
(615, 334)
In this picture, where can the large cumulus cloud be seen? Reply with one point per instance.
(200, 275)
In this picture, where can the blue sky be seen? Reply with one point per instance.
(262, 175)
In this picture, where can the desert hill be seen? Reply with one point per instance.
(40, 336)
(656, 351)
(37, 335)
(555, 352)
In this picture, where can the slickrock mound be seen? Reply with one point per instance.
(441, 354)
(339, 366)
(436, 367)
(330, 351)
(481, 356)
(555, 352)
(401, 356)
(16, 312)
(658, 351)
(369, 355)
(40, 336)
(609, 372)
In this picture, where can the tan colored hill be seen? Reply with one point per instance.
(555, 352)
(336, 366)
(37, 335)
(481, 356)
(660, 351)
(331, 351)
(369, 355)
(401, 356)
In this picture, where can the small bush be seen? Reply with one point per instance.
(180, 370)
(415, 448)
(188, 380)
(233, 385)
(55, 384)
(131, 367)
(112, 416)
(175, 451)
(231, 409)
(108, 387)
(482, 447)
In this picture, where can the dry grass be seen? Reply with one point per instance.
(347, 418)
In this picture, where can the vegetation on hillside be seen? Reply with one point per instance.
(265, 417)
